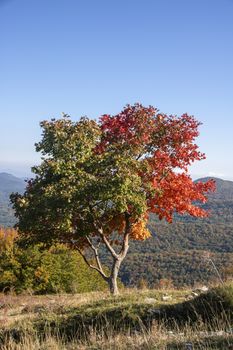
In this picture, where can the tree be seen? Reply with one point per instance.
(7, 238)
(99, 180)
(40, 270)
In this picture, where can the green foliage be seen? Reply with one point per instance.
(63, 269)
(75, 185)
(38, 270)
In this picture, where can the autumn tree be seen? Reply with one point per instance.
(99, 180)
(7, 238)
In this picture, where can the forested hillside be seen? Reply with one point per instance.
(176, 253)
(8, 184)
(181, 251)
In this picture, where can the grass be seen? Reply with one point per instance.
(147, 319)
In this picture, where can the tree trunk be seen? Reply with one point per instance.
(113, 287)
(117, 260)
(112, 280)
(117, 257)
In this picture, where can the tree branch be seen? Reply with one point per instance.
(108, 245)
(95, 250)
(92, 266)
(103, 237)
(139, 156)
(125, 243)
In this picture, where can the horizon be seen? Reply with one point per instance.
(24, 176)
(89, 58)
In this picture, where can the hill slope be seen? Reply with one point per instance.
(182, 251)
(224, 189)
(8, 184)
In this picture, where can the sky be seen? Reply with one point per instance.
(91, 57)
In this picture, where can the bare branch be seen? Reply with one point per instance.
(108, 245)
(94, 205)
(101, 272)
(139, 156)
(101, 234)
(95, 250)
(125, 242)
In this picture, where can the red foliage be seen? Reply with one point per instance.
(176, 193)
(163, 144)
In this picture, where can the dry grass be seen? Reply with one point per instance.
(15, 308)
(157, 338)
(50, 322)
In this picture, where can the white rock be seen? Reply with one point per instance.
(166, 297)
(150, 300)
(204, 289)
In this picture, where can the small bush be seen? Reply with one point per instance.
(39, 270)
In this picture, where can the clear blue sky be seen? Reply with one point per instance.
(90, 57)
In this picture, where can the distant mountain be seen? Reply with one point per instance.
(8, 184)
(224, 189)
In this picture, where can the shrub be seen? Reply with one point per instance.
(40, 270)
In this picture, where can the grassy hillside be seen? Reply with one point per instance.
(155, 319)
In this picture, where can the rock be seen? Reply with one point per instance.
(150, 300)
(171, 334)
(166, 297)
(201, 290)
(204, 289)
(188, 297)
